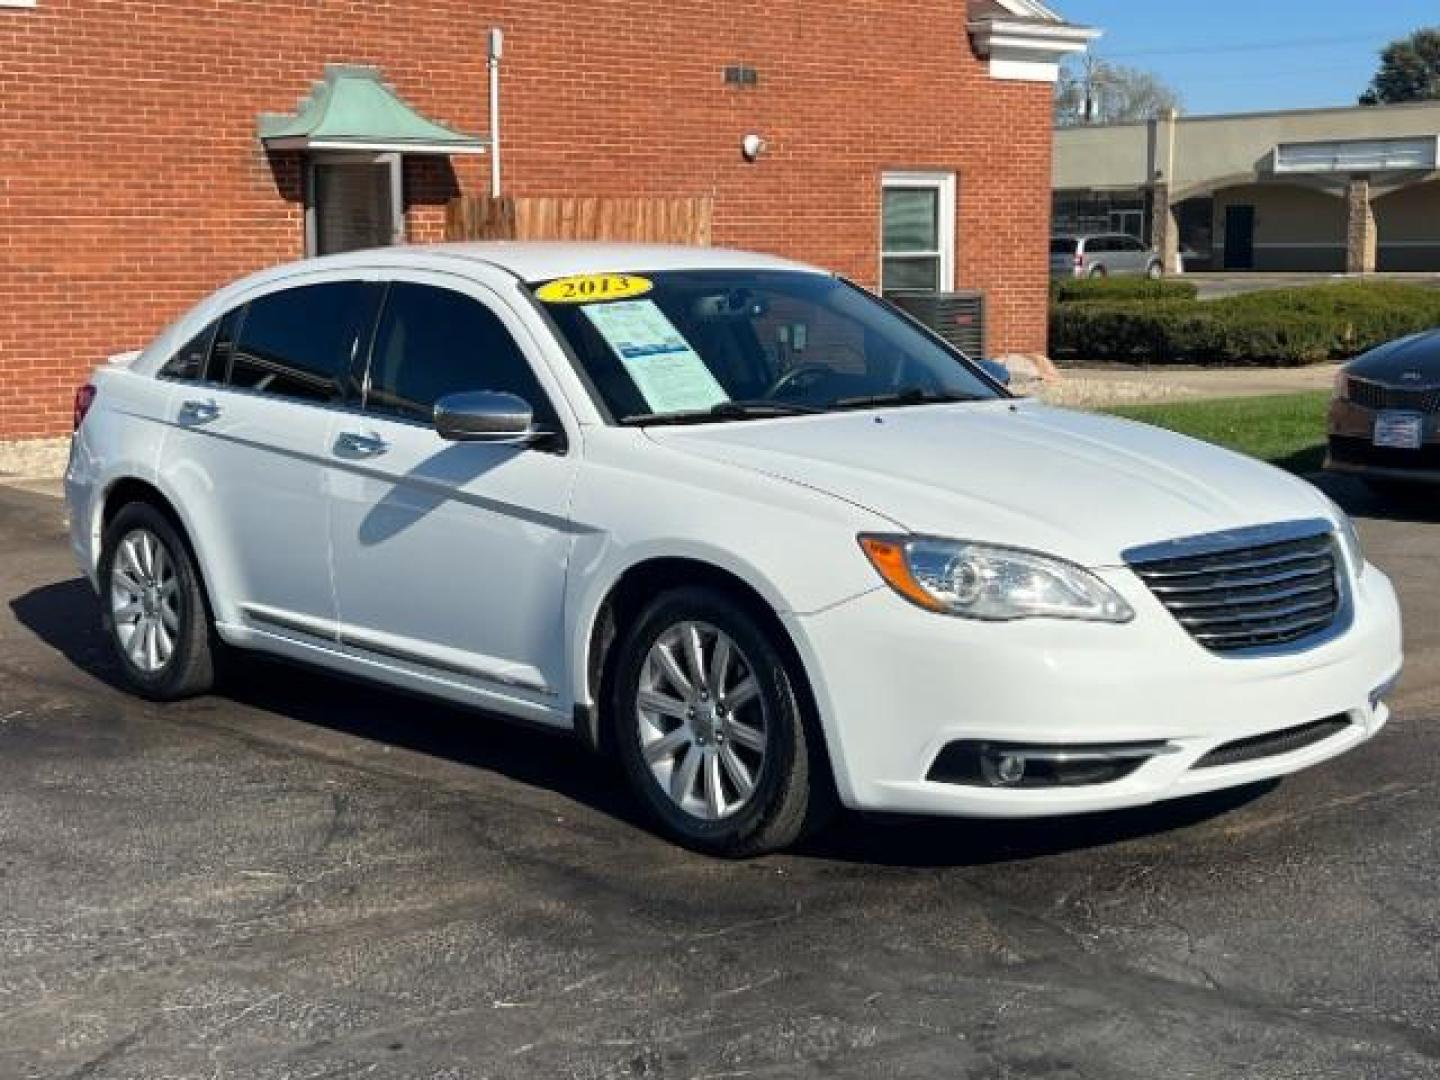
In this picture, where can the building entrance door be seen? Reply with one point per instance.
(1240, 238)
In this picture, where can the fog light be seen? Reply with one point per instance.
(1006, 768)
(1034, 765)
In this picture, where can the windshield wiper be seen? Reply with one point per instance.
(757, 409)
(911, 396)
(760, 407)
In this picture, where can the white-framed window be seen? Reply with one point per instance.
(17, 3)
(917, 232)
(353, 201)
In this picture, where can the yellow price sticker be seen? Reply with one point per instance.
(589, 288)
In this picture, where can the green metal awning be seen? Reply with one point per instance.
(353, 109)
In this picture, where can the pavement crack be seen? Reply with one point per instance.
(114, 1051)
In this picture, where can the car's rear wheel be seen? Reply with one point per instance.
(153, 606)
(1099, 272)
(710, 728)
(1154, 271)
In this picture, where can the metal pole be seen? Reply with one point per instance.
(497, 48)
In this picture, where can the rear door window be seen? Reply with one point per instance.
(432, 342)
(301, 343)
(1064, 246)
(192, 360)
(222, 351)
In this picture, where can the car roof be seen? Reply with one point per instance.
(543, 260)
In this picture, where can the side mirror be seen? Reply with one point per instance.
(996, 370)
(486, 416)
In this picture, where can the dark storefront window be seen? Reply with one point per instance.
(1077, 212)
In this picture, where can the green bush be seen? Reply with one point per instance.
(1281, 326)
(1092, 290)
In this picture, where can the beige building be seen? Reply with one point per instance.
(1333, 190)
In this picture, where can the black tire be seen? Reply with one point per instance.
(1154, 271)
(1098, 272)
(792, 792)
(190, 667)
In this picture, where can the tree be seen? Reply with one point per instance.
(1409, 70)
(1099, 92)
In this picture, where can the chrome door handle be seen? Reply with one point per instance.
(199, 412)
(353, 444)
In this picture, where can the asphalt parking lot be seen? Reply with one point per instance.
(305, 878)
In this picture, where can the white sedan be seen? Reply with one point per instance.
(731, 519)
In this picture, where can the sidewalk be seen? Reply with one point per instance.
(34, 464)
(1090, 387)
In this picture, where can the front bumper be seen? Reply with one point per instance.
(895, 685)
(1351, 448)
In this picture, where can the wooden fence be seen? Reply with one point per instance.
(656, 221)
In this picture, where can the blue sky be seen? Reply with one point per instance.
(1231, 56)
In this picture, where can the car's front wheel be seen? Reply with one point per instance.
(710, 728)
(153, 607)
(1154, 271)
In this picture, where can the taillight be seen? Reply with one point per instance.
(84, 398)
(1079, 261)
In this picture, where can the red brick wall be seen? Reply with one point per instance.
(131, 181)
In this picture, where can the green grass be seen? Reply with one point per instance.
(1287, 430)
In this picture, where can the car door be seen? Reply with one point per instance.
(1097, 255)
(1128, 255)
(249, 447)
(1117, 255)
(451, 556)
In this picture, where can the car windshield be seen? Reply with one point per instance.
(700, 345)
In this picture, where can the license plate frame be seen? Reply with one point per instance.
(1396, 430)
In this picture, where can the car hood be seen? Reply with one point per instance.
(1394, 362)
(1082, 486)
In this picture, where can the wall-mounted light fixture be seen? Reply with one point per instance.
(752, 146)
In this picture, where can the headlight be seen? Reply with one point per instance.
(1349, 539)
(979, 581)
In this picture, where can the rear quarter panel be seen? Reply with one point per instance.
(123, 437)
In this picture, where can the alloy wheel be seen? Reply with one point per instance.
(702, 720)
(145, 600)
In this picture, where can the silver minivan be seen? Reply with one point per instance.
(1101, 255)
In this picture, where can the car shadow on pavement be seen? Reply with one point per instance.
(1418, 504)
(65, 616)
(885, 840)
(545, 758)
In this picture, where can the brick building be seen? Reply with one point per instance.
(134, 177)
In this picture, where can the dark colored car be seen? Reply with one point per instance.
(1385, 418)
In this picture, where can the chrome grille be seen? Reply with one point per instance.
(1371, 395)
(1253, 589)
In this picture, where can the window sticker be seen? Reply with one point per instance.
(588, 288)
(669, 373)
